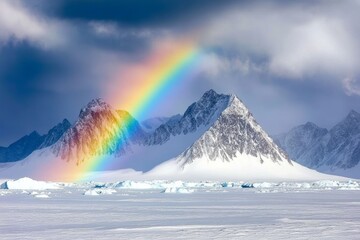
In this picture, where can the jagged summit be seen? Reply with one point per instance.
(352, 120)
(55, 133)
(354, 115)
(210, 92)
(33, 134)
(64, 122)
(311, 125)
(97, 102)
(347, 127)
(95, 105)
(235, 105)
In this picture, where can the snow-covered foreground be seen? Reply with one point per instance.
(180, 210)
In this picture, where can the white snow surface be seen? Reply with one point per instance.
(243, 167)
(324, 209)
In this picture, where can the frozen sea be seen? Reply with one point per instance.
(126, 210)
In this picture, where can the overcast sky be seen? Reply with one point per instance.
(289, 61)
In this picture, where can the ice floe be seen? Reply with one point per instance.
(167, 186)
(98, 191)
(177, 190)
(28, 184)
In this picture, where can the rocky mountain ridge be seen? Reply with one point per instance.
(326, 150)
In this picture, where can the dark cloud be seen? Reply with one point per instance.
(24, 67)
(290, 61)
(137, 13)
(29, 99)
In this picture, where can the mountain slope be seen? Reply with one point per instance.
(29, 143)
(21, 148)
(55, 133)
(335, 151)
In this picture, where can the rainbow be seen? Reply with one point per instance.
(169, 69)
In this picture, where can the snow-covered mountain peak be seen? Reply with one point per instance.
(311, 125)
(210, 94)
(209, 101)
(64, 122)
(55, 133)
(306, 132)
(236, 106)
(235, 133)
(34, 134)
(62, 125)
(98, 122)
(206, 110)
(354, 114)
(353, 118)
(349, 126)
(95, 105)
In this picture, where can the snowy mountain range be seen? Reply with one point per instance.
(217, 137)
(335, 151)
(29, 143)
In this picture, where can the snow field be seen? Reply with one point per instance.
(210, 210)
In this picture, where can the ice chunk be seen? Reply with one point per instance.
(177, 190)
(28, 183)
(138, 185)
(227, 184)
(326, 183)
(98, 191)
(247, 185)
(264, 185)
(41, 196)
(306, 185)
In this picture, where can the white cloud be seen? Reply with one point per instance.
(317, 41)
(19, 23)
(320, 45)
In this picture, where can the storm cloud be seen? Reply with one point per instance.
(290, 62)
